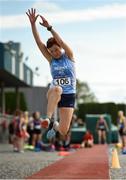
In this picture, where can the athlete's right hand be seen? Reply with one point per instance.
(32, 15)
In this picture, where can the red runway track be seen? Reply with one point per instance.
(87, 163)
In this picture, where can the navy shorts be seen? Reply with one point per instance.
(37, 131)
(67, 100)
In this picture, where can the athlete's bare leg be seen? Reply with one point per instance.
(104, 136)
(53, 96)
(64, 124)
(99, 136)
(65, 115)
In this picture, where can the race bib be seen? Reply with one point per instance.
(62, 81)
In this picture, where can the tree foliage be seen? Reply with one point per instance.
(84, 93)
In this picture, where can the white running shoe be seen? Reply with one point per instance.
(21, 151)
(45, 123)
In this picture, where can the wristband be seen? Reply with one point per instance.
(49, 28)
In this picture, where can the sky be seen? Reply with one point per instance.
(94, 29)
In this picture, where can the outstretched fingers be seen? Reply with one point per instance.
(43, 19)
(28, 13)
(32, 10)
(31, 13)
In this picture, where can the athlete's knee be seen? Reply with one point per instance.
(57, 90)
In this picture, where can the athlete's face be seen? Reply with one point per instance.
(55, 51)
(101, 118)
(120, 113)
(37, 115)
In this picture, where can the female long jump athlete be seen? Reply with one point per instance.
(63, 87)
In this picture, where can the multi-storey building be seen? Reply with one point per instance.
(15, 74)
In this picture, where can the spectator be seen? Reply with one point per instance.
(101, 128)
(30, 129)
(20, 132)
(37, 134)
(80, 122)
(11, 132)
(77, 122)
(121, 121)
(88, 139)
(26, 117)
(74, 121)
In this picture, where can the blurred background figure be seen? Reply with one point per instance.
(11, 132)
(77, 122)
(30, 129)
(88, 139)
(20, 131)
(26, 117)
(37, 131)
(121, 122)
(74, 121)
(101, 128)
(80, 122)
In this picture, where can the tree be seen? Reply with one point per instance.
(84, 94)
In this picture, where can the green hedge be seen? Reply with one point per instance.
(10, 101)
(100, 108)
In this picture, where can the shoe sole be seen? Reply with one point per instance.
(50, 135)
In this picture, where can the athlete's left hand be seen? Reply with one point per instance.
(44, 22)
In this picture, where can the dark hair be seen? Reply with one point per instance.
(18, 112)
(34, 115)
(51, 41)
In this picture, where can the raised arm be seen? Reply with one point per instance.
(124, 129)
(66, 48)
(33, 17)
